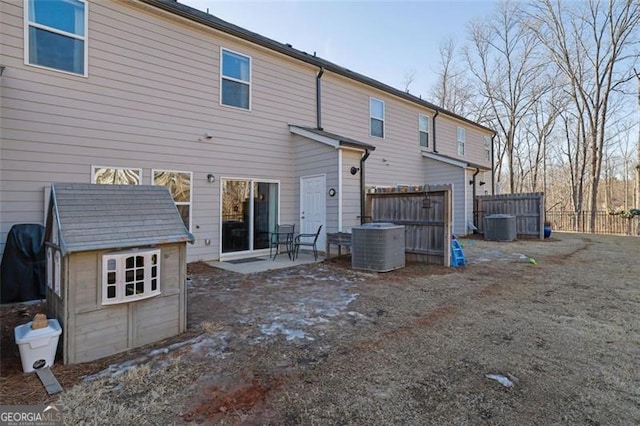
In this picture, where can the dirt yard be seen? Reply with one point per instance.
(558, 321)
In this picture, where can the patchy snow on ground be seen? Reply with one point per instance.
(479, 255)
(204, 345)
(274, 308)
(297, 320)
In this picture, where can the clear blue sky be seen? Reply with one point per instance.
(383, 40)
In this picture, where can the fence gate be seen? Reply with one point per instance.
(426, 217)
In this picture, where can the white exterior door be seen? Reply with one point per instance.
(313, 207)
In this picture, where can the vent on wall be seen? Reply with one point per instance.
(500, 227)
(377, 247)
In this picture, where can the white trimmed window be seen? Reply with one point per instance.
(423, 130)
(376, 113)
(487, 148)
(235, 79)
(461, 139)
(55, 35)
(115, 175)
(179, 184)
(130, 275)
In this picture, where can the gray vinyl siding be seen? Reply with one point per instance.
(442, 173)
(447, 140)
(350, 190)
(346, 112)
(151, 93)
(153, 90)
(314, 158)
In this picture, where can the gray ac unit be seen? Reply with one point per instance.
(500, 227)
(377, 247)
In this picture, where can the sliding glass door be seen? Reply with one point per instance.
(249, 214)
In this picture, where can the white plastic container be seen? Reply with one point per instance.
(37, 347)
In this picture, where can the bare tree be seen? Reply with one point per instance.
(540, 125)
(408, 79)
(591, 43)
(452, 89)
(623, 151)
(637, 200)
(576, 155)
(504, 60)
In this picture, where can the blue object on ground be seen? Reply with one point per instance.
(457, 255)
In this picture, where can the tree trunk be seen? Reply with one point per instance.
(637, 200)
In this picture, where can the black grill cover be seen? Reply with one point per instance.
(24, 265)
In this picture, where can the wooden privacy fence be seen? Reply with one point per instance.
(563, 220)
(426, 217)
(528, 208)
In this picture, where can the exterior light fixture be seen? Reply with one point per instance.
(426, 201)
(211, 178)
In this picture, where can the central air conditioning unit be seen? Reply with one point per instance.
(377, 247)
(500, 227)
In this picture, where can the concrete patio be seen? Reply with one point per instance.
(265, 263)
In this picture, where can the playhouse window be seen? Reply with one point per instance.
(130, 275)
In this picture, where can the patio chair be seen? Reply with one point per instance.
(283, 236)
(311, 240)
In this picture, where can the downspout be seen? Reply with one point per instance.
(435, 147)
(340, 171)
(473, 195)
(319, 98)
(493, 167)
(362, 186)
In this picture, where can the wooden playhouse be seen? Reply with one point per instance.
(116, 267)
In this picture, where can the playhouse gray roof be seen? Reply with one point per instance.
(96, 217)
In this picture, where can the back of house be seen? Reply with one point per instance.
(245, 131)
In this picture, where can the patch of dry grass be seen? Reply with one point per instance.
(413, 347)
(211, 326)
(141, 395)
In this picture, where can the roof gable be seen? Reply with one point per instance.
(94, 217)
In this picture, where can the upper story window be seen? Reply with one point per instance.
(461, 138)
(130, 275)
(235, 80)
(179, 184)
(55, 35)
(115, 176)
(423, 130)
(376, 112)
(487, 147)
